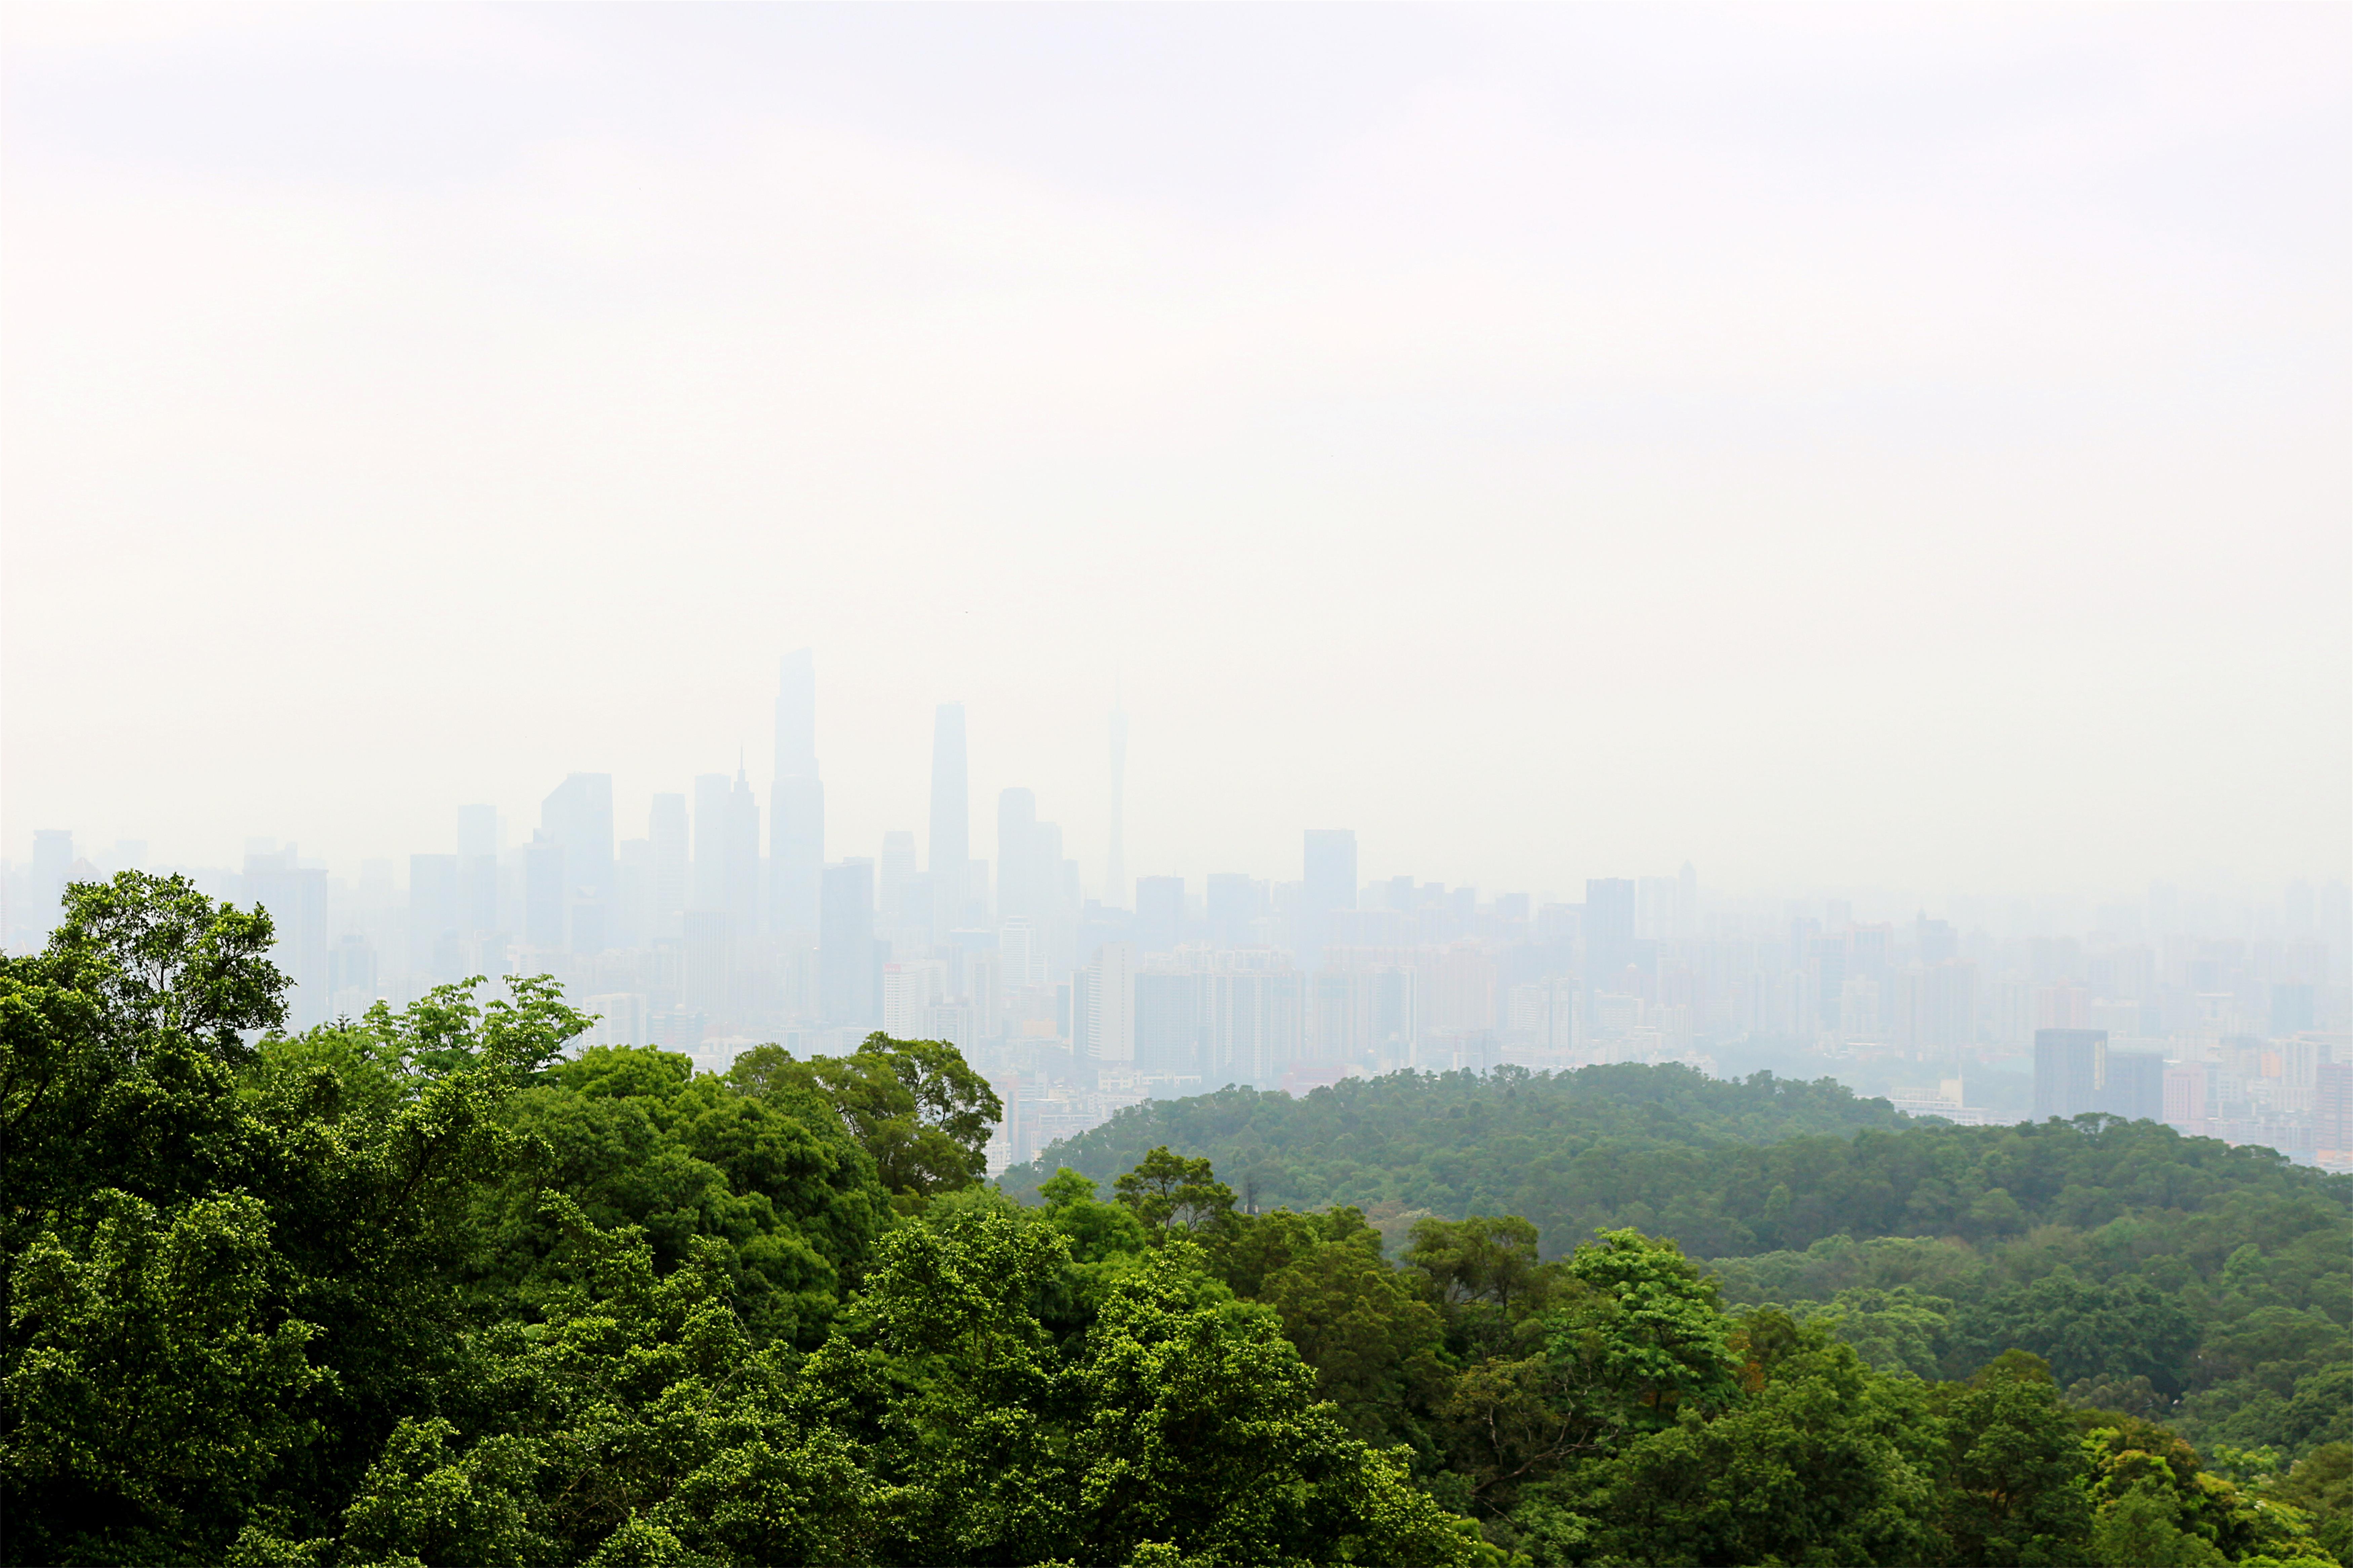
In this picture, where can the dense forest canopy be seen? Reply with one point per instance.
(429, 1288)
(2176, 1278)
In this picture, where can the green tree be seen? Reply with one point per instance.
(2014, 1478)
(2142, 1530)
(1822, 1463)
(635, 1138)
(1360, 1325)
(1169, 1192)
(918, 1108)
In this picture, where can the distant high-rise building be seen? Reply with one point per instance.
(296, 897)
(631, 921)
(1115, 861)
(478, 867)
(2132, 1086)
(1329, 884)
(578, 815)
(896, 877)
(435, 918)
(1159, 913)
(1654, 907)
(669, 877)
(2185, 1098)
(847, 971)
(706, 979)
(951, 844)
(1935, 938)
(1033, 884)
(2332, 1110)
(1609, 928)
(2069, 1069)
(1236, 904)
(53, 859)
(1687, 902)
(795, 802)
(545, 883)
(741, 877)
(709, 888)
(1103, 1006)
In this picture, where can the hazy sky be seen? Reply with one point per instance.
(1886, 444)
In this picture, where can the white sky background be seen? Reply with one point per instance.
(1863, 445)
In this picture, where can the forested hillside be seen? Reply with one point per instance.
(420, 1290)
(2174, 1276)
(1566, 1150)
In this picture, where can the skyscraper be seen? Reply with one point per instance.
(708, 890)
(1329, 884)
(578, 816)
(795, 802)
(435, 912)
(846, 970)
(1236, 903)
(2070, 1071)
(666, 827)
(477, 869)
(950, 843)
(545, 881)
(1115, 862)
(741, 877)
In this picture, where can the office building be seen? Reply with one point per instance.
(903, 894)
(477, 869)
(622, 1019)
(1102, 1021)
(296, 899)
(53, 859)
(740, 875)
(708, 886)
(436, 915)
(1115, 859)
(795, 801)
(578, 815)
(2132, 1086)
(2185, 1098)
(951, 840)
(546, 886)
(668, 862)
(1236, 909)
(1328, 885)
(1033, 884)
(1608, 925)
(707, 974)
(912, 988)
(848, 973)
(1173, 1033)
(2069, 1069)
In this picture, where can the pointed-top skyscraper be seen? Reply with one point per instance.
(951, 844)
(795, 802)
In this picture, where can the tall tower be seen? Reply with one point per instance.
(1116, 892)
(740, 878)
(795, 802)
(950, 843)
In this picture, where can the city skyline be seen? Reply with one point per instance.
(1551, 440)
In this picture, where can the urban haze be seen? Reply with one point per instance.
(1140, 637)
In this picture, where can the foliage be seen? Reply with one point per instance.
(919, 1111)
(419, 1288)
